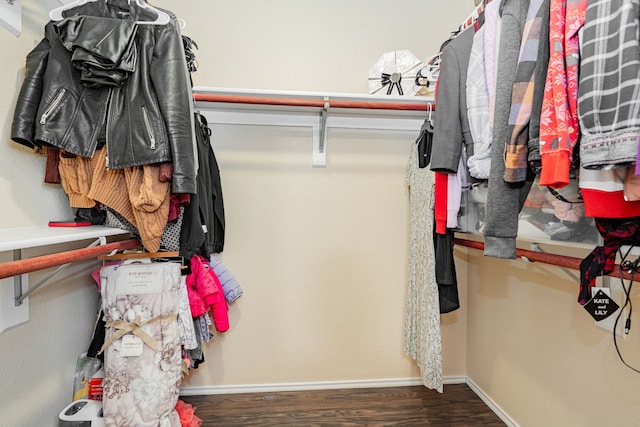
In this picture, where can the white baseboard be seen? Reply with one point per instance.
(320, 385)
(490, 403)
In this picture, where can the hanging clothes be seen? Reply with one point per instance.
(78, 110)
(610, 84)
(422, 340)
(478, 162)
(505, 201)
(609, 110)
(210, 199)
(560, 130)
(540, 77)
(451, 123)
(493, 24)
(517, 147)
(452, 135)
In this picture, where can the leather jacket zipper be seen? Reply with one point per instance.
(147, 125)
(106, 131)
(53, 106)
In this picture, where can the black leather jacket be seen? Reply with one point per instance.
(144, 119)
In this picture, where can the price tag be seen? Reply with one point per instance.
(131, 346)
(137, 279)
(601, 306)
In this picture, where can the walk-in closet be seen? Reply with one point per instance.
(319, 213)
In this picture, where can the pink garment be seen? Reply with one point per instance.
(205, 291)
(454, 196)
(559, 126)
(187, 413)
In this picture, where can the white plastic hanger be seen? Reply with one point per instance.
(56, 14)
(162, 18)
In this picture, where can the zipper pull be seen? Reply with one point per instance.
(51, 108)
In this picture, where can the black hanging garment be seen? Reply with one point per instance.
(425, 141)
(446, 272)
(209, 188)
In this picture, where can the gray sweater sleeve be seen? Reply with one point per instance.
(504, 200)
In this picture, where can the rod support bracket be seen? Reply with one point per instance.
(20, 296)
(320, 140)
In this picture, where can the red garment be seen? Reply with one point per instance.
(176, 201)
(187, 414)
(608, 204)
(603, 194)
(559, 126)
(440, 203)
(205, 292)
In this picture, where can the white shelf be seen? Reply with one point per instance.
(18, 238)
(325, 114)
(29, 237)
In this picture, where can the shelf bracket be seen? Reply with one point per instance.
(320, 138)
(17, 280)
(20, 296)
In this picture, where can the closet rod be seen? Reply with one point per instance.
(320, 103)
(28, 265)
(546, 258)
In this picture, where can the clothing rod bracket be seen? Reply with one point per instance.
(320, 146)
(20, 296)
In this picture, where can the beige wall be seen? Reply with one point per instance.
(538, 354)
(320, 253)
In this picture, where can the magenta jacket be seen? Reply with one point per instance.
(205, 292)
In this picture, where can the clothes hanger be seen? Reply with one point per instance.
(471, 19)
(428, 75)
(162, 18)
(139, 255)
(144, 257)
(56, 14)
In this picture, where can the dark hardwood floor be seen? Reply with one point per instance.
(393, 406)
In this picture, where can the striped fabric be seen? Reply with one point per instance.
(609, 90)
(516, 148)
